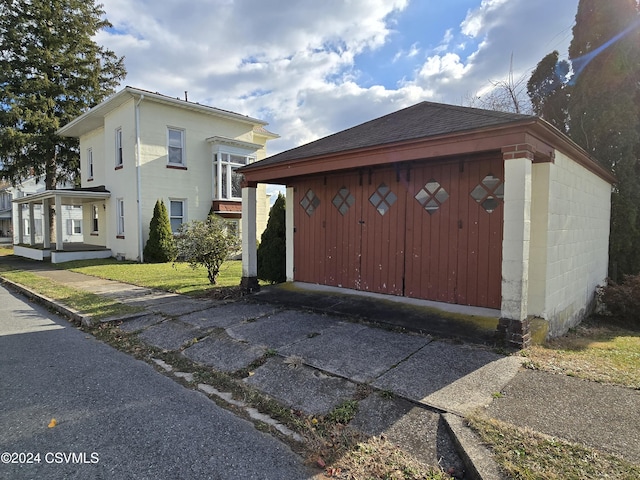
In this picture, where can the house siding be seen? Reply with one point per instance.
(193, 184)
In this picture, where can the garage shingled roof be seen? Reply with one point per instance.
(423, 120)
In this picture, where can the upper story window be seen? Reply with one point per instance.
(119, 157)
(227, 180)
(89, 164)
(175, 148)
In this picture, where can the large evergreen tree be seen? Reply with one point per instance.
(604, 112)
(600, 108)
(51, 71)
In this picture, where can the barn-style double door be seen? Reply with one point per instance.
(431, 231)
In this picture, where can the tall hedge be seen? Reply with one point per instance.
(161, 245)
(272, 249)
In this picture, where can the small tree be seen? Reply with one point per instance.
(161, 245)
(207, 243)
(272, 249)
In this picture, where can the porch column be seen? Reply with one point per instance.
(59, 241)
(514, 324)
(289, 233)
(46, 224)
(249, 282)
(32, 225)
(20, 229)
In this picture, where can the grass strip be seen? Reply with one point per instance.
(85, 303)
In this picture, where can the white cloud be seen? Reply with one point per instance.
(293, 63)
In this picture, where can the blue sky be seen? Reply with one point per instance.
(311, 68)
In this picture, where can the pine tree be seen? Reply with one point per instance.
(548, 91)
(272, 249)
(604, 112)
(600, 109)
(161, 245)
(51, 71)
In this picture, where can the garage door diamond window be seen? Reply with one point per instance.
(432, 196)
(310, 202)
(383, 198)
(343, 200)
(489, 193)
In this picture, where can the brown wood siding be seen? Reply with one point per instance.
(452, 255)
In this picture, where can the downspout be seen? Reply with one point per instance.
(138, 193)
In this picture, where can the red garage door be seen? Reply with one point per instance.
(431, 231)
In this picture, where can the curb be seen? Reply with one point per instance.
(476, 457)
(48, 302)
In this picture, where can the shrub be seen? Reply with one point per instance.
(623, 300)
(207, 243)
(272, 250)
(161, 245)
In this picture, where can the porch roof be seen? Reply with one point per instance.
(76, 196)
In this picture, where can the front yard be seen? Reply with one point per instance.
(601, 349)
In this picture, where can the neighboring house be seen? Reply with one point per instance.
(6, 228)
(138, 147)
(449, 204)
(71, 217)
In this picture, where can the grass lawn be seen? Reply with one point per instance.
(176, 277)
(599, 349)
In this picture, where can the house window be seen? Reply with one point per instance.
(176, 214)
(119, 160)
(89, 164)
(120, 213)
(94, 218)
(175, 149)
(74, 226)
(228, 181)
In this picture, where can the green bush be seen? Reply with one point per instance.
(623, 299)
(161, 245)
(272, 249)
(207, 243)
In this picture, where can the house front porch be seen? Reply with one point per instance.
(70, 251)
(34, 235)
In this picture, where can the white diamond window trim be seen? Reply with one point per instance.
(343, 200)
(310, 202)
(432, 196)
(489, 193)
(383, 198)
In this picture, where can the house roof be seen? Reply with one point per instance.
(94, 118)
(424, 130)
(425, 119)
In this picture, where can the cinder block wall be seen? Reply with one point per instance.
(577, 240)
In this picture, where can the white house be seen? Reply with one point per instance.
(137, 147)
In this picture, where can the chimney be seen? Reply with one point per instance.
(186, 99)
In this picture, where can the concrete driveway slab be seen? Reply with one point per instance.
(169, 335)
(141, 323)
(356, 351)
(228, 314)
(224, 353)
(282, 328)
(421, 432)
(453, 377)
(302, 388)
(181, 306)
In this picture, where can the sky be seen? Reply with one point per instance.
(314, 67)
